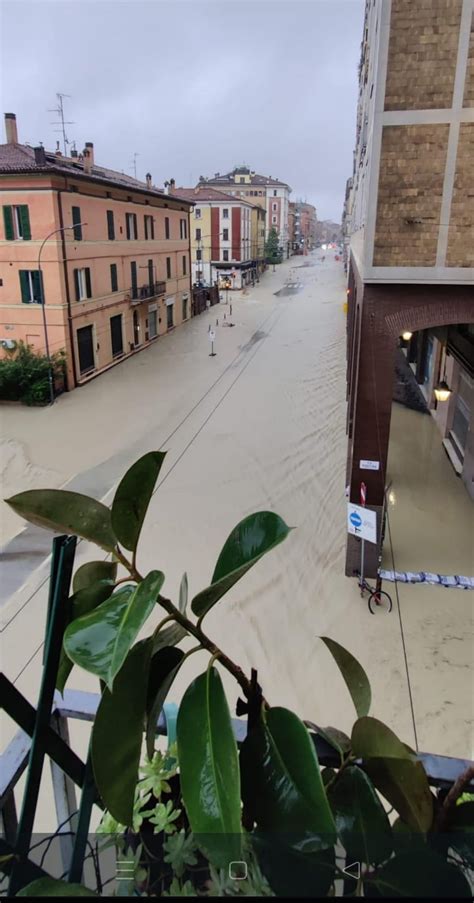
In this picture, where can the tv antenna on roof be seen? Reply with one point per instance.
(134, 163)
(62, 121)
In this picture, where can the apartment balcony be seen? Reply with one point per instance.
(147, 292)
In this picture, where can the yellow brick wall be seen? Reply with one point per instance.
(461, 223)
(469, 84)
(412, 168)
(424, 36)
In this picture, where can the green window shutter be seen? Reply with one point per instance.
(25, 222)
(88, 283)
(8, 223)
(136, 225)
(76, 219)
(127, 222)
(152, 225)
(167, 227)
(113, 277)
(145, 224)
(110, 225)
(76, 285)
(25, 286)
(36, 279)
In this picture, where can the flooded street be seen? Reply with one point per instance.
(260, 426)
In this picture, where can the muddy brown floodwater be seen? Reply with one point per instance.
(260, 426)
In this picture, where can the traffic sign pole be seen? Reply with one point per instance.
(363, 499)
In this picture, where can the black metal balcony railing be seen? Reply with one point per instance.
(146, 292)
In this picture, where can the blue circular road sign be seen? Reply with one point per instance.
(355, 519)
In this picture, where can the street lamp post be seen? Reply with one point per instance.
(43, 305)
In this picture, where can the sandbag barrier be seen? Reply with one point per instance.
(454, 582)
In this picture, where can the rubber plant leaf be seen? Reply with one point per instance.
(133, 496)
(66, 512)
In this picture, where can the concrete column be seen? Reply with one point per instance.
(372, 385)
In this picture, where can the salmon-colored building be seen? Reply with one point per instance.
(111, 284)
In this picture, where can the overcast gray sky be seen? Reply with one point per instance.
(193, 87)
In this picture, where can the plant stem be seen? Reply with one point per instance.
(457, 789)
(196, 631)
(347, 761)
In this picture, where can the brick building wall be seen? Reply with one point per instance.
(469, 84)
(461, 232)
(422, 54)
(409, 189)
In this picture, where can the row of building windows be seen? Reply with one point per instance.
(16, 220)
(86, 334)
(31, 287)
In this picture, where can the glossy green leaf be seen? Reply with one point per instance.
(209, 769)
(354, 675)
(459, 832)
(92, 572)
(133, 496)
(395, 772)
(361, 820)
(283, 784)
(66, 512)
(53, 887)
(293, 874)
(249, 540)
(164, 667)
(169, 636)
(82, 602)
(418, 874)
(99, 641)
(117, 734)
(336, 738)
(183, 594)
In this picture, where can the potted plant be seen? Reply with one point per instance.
(264, 805)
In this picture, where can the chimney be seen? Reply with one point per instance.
(58, 150)
(148, 180)
(86, 156)
(40, 156)
(10, 128)
(74, 153)
(172, 185)
(90, 148)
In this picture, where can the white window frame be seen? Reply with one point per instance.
(274, 220)
(81, 278)
(224, 257)
(225, 213)
(197, 213)
(17, 229)
(130, 217)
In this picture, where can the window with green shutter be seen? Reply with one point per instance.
(16, 221)
(30, 286)
(8, 223)
(113, 277)
(76, 220)
(110, 225)
(24, 218)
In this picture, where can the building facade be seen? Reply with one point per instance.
(266, 192)
(303, 227)
(409, 219)
(111, 284)
(227, 237)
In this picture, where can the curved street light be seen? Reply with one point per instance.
(43, 305)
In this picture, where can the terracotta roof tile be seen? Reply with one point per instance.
(18, 158)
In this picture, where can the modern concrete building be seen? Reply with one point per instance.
(267, 192)
(115, 281)
(410, 220)
(227, 237)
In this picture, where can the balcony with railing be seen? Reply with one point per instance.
(147, 292)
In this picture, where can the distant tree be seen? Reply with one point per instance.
(272, 247)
